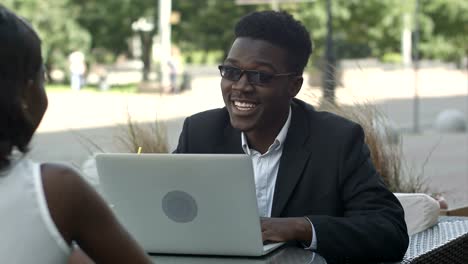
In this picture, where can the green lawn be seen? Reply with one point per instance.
(62, 88)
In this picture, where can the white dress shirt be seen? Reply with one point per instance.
(266, 170)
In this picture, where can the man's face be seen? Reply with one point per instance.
(259, 107)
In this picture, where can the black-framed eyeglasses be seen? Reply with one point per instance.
(253, 77)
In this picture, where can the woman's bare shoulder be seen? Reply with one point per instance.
(64, 190)
(59, 178)
(60, 172)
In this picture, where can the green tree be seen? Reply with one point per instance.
(361, 28)
(373, 28)
(110, 21)
(207, 24)
(110, 24)
(55, 22)
(445, 35)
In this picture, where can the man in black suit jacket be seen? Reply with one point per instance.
(327, 193)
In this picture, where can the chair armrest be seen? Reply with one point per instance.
(460, 211)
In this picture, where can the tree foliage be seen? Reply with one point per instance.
(446, 34)
(361, 28)
(109, 21)
(207, 24)
(374, 28)
(56, 23)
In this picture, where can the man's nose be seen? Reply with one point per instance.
(243, 84)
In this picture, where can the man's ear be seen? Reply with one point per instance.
(295, 86)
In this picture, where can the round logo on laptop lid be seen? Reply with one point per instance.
(179, 206)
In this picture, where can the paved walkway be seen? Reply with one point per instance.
(74, 120)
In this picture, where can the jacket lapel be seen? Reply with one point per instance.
(230, 142)
(293, 160)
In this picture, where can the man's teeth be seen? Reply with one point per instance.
(244, 106)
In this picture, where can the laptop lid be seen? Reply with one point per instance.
(185, 203)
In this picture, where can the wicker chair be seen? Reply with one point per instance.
(446, 242)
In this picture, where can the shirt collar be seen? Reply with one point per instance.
(279, 140)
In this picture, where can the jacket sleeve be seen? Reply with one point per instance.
(372, 226)
(182, 146)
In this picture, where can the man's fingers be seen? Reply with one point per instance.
(269, 236)
(266, 235)
(271, 231)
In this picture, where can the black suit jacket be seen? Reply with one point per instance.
(325, 173)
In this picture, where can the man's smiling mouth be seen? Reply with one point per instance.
(244, 106)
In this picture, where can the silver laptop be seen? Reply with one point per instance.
(202, 204)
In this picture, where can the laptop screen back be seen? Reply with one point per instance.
(184, 203)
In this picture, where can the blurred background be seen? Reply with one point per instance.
(117, 65)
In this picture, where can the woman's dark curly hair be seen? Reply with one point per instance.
(280, 29)
(20, 62)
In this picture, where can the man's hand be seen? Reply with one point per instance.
(286, 229)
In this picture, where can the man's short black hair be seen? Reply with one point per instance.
(280, 29)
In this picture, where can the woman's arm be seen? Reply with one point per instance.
(81, 215)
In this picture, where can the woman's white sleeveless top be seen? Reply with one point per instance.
(27, 231)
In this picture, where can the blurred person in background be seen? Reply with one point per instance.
(175, 69)
(44, 207)
(77, 70)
